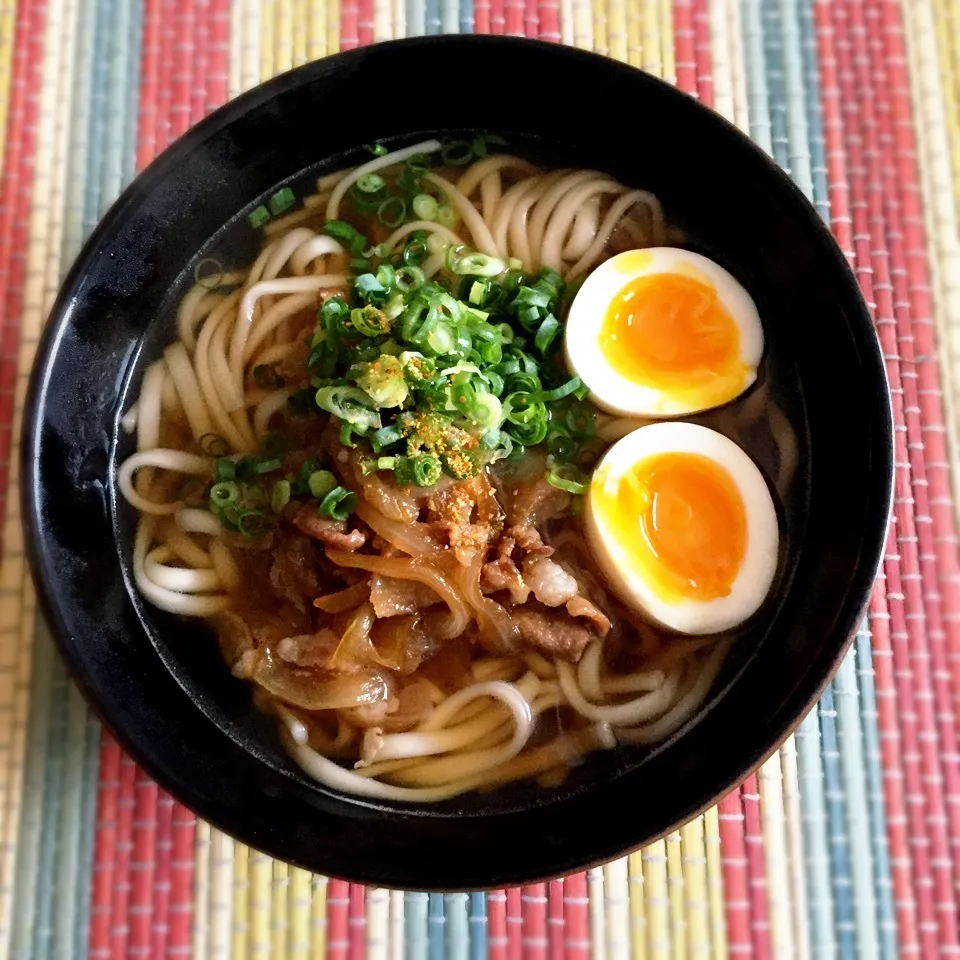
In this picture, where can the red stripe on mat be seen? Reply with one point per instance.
(736, 885)
(498, 17)
(756, 868)
(513, 11)
(481, 16)
(15, 194)
(357, 920)
(555, 921)
(576, 915)
(841, 222)
(497, 925)
(534, 909)
(365, 22)
(683, 46)
(338, 920)
(701, 51)
(349, 20)
(514, 924)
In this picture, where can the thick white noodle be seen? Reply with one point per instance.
(176, 460)
(335, 776)
(622, 714)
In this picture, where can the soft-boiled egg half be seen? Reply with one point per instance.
(663, 332)
(683, 527)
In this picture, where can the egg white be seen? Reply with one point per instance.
(612, 547)
(609, 388)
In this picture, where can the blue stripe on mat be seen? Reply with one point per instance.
(436, 932)
(478, 926)
(883, 883)
(836, 818)
(415, 908)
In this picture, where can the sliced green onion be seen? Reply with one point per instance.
(378, 149)
(486, 411)
(225, 469)
(253, 523)
(426, 470)
(409, 278)
(528, 433)
(346, 434)
(437, 242)
(478, 265)
(258, 217)
(225, 493)
(381, 463)
(213, 445)
(477, 294)
(392, 212)
(208, 273)
(320, 483)
(350, 404)
(457, 153)
(268, 466)
(425, 207)
(581, 420)
(280, 495)
(360, 265)
(370, 288)
(445, 216)
(420, 471)
(415, 250)
(549, 396)
(384, 437)
(348, 233)
(369, 321)
(564, 476)
(282, 200)
(338, 504)
(560, 445)
(547, 333)
(371, 183)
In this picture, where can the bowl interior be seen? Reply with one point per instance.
(183, 714)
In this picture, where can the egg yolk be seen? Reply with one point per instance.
(670, 331)
(692, 524)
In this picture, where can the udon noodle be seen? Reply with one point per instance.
(441, 638)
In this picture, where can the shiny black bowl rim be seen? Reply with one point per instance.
(214, 792)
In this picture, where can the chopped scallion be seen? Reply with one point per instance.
(338, 504)
(567, 477)
(320, 483)
(282, 200)
(280, 495)
(258, 217)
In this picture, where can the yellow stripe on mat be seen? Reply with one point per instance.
(932, 127)
(8, 22)
(947, 27)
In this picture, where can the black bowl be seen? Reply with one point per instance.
(158, 682)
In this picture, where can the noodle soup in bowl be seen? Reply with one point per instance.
(448, 506)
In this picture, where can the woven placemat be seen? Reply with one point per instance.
(847, 842)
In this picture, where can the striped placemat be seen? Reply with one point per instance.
(847, 842)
